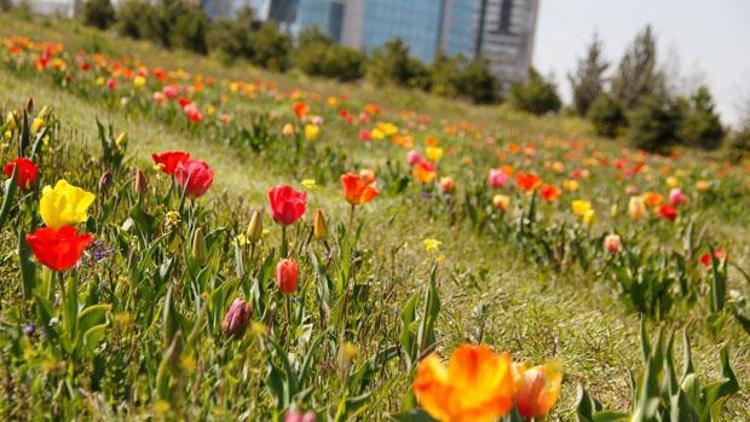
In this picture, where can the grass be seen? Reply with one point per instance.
(487, 286)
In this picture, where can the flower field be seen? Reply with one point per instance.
(181, 240)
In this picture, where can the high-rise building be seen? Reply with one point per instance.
(501, 31)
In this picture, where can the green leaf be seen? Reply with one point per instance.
(414, 415)
(94, 336)
(91, 316)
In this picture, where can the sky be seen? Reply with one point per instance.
(705, 40)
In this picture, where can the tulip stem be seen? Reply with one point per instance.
(283, 242)
(351, 218)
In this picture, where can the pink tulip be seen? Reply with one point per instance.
(676, 197)
(414, 158)
(497, 178)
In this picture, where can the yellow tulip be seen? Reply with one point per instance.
(637, 207)
(311, 132)
(64, 204)
(580, 207)
(434, 153)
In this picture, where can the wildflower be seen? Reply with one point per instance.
(431, 245)
(636, 207)
(668, 212)
(64, 204)
(287, 205)
(311, 132)
(434, 153)
(497, 178)
(27, 172)
(58, 249)
(309, 184)
(358, 190)
(527, 182)
(550, 193)
(286, 276)
(195, 177)
(537, 389)
(501, 202)
(676, 197)
(236, 320)
(169, 160)
(172, 219)
(613, 243)
(477, 385)
(447, 185)
(320, 229)
(424, 172)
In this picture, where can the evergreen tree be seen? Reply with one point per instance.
(588, 80)
(537, 95)
(98, 13)
(702, 127)
(637, 74)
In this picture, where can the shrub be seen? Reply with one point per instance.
(477, 83)
(171, 23)
(607, 116)
(317, 55)
(739, 146)
(536, 96)
(701, 126)
(444, 74)
(189, 30)
(98, 13)
(391, 63)
(131, 18)
(653, 123)
(270, 48)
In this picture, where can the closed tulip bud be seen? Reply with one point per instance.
(236, 320)
(255, 228)
(286, 276)
(30, 105)
(104, 181)
(320, 230)
(140, 184)
(121, 141)
(199, 245)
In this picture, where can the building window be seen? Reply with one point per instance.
(506, 11)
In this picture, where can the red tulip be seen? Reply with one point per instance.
(358, 189)
(287, 205)
(527, 181)
(301, 110)
(668, 211)
(550, 193)
(58, 249)
(27, 172)
(195, 176)
(286, 276)
(168, 160)
(705, 259)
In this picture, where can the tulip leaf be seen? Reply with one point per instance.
(94, 336)
(91, 316)
(414, 415)
(10, 192)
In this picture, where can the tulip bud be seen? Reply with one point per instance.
(121, 141)
(199, 246)
(613, 243)
(286, 276)
(140, 183)
(30, 105)
(255, 228)
(236, 319)
(104, 181)
(320, 230)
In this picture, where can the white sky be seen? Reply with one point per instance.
(710, 37)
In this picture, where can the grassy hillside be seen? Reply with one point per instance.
(533, 280)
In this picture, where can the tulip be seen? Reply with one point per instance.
(414, 158)
(527, 182)
(255, 228)
(537, 389)
(434, 153)
(613, 243)
(287, 205)
(195, 177)
(550, 193)
(301, 110)
(311, 132)
(668, 212)
(636, 207)
(58, 249)
(294, 415)
(359, 190)
(365, 135)
(236, 320)
(64, 204)
(320, 229)
(501, 202)
(27, 172)
(497, 178)
(286, 276)
(676, 197)
(705, 259)
(580, 207)
(169, 160)
(447, 185)
(170, 91)
(424, 172)
(104, 181)
(199, 246)
(477, 385)
(139, 183)
(288, 129)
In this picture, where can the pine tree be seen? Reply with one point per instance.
(637, 74)
(702, 126)
(588, 80)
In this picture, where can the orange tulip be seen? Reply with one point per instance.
(477, 385)
(424, 172)
(537, 388)
(359, 188)
(527, 181)
(550, 193)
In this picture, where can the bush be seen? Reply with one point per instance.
(653, 123)
(98, 13)
(701, 127)
(171, 23)
(232, 38)
(607, 116)
(317, 55)
(536, 96)
(477, 83)
(739, 146)
(270, 48)
(130, 18)
(392, 64)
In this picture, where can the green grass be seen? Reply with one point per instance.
(518, 306)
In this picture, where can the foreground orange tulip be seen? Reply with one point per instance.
(537, 388)
(476, 386)
(359, 188)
